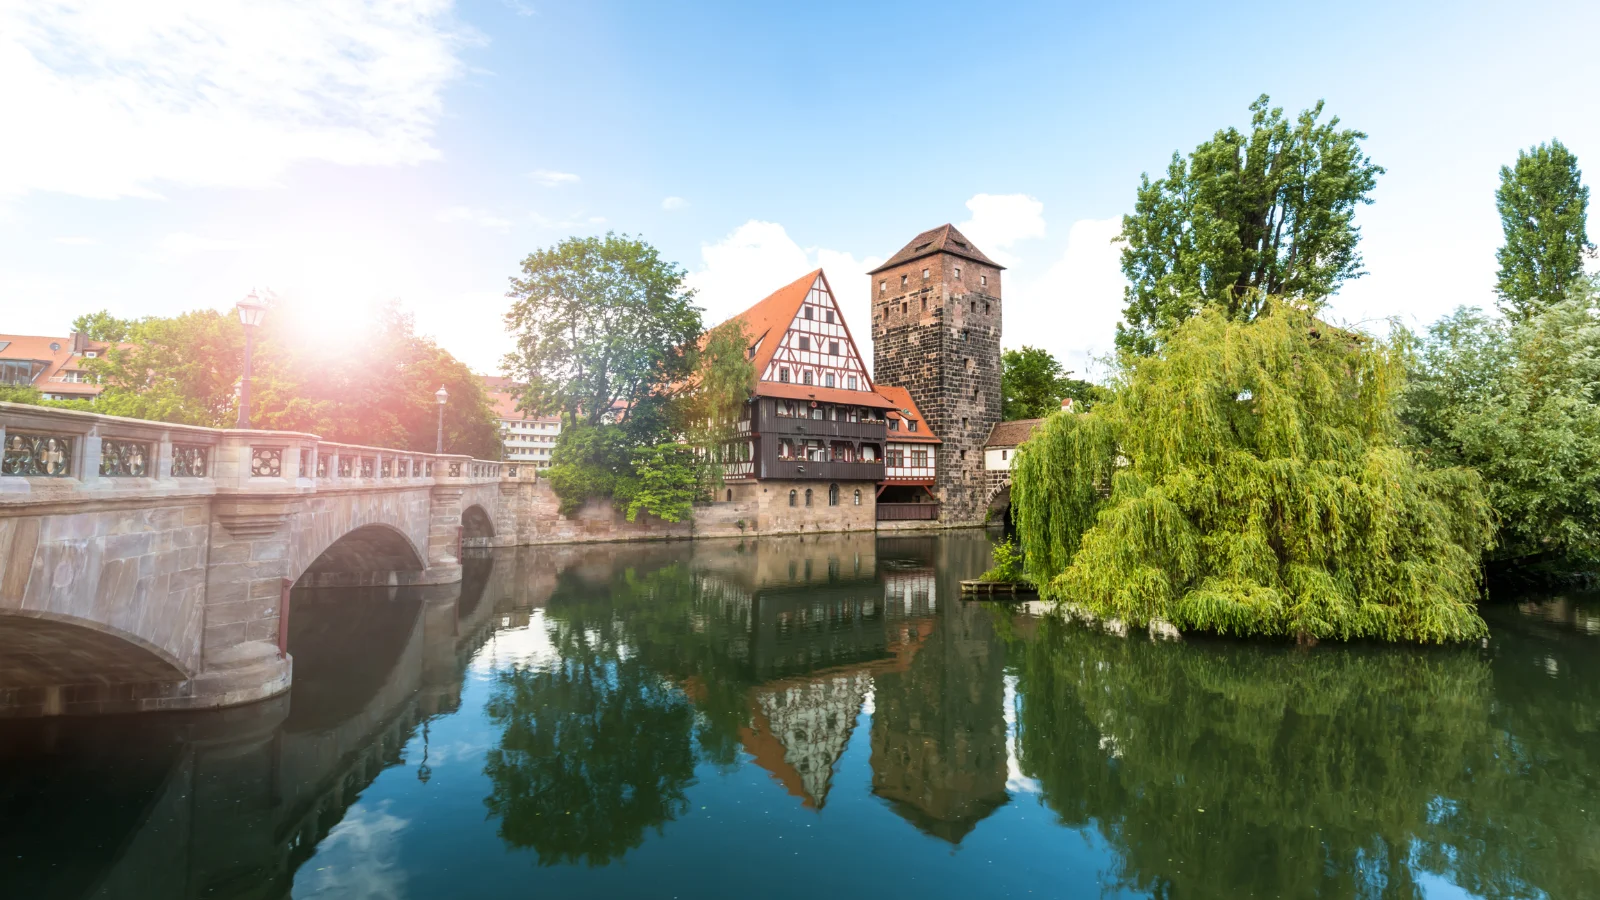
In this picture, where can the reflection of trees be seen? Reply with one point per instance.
(593, 751)
(1221, 769)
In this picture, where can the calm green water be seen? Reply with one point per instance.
(822, 717)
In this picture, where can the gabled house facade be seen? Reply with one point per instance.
(809, 453)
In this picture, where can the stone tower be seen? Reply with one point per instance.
(936, 333)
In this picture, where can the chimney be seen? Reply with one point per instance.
(1066, 404)
(80, 342)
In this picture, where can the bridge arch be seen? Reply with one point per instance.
(477, 526)
(52, 660)
(367, 554)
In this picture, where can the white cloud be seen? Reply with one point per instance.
(482, 217)
(671, 203)
(181, 244)
(76, 240)
(360, 857)
(549, 178)
(576, 221)
(758, 257)
(1073, 306)
(119, 99)
(1002, 220)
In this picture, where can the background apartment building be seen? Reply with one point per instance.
(528, 439)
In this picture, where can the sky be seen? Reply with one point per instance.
(169, 155)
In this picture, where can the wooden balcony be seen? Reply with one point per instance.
(812, 470)
(908, 512)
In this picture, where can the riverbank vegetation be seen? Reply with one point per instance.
(609, 339)
(1254, 469)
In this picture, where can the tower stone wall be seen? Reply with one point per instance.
(936, 320)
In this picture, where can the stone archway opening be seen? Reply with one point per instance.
(53, 667)
(369, 555)
(476, 528)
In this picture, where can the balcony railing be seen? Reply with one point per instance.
(908, 512)
(815, 470)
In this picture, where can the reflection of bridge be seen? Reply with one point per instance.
(147, 566)
(243, 798)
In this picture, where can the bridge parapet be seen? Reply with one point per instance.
(162, 554)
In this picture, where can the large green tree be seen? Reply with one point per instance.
(1544, 210)
(1247, 215)
(1033, 384)
(600, 324)
(1519, 401)
(1248, 479)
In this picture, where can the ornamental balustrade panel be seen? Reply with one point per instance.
(125, 459)
(190, 460)
(45, 455)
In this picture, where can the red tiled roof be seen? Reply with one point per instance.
(504, 401)
(901, 398)
(54, 362)
(765, 323)
(1013, 433)
(944, 239)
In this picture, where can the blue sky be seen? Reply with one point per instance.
(162, 157)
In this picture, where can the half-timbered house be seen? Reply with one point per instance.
(910, 459)
(810, 447)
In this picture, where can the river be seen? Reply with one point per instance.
(822, 716)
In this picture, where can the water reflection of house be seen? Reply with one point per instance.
(814, 626)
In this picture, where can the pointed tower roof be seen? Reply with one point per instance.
(944, 239)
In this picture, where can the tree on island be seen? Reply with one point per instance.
(1033, 384)
(1248, 479)
(1544, 209)
(608, 337)
(1245, 217)
(1519, 401)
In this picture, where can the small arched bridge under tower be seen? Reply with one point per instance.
(148, 566)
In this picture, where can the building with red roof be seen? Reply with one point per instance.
(527, 439)
(52, 365)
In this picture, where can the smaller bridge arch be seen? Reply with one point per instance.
(367, 554)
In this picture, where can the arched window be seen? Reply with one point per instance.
(833, 495)
(730, 495)
(792, 496)
(858, 496)
(808, 496)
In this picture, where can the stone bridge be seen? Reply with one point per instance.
(146, 565)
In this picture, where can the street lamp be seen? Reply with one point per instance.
(251, 312)
(442, 395)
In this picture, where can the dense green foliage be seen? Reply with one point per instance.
(19, 393)
(608, 338)
(1248, 479)
(1519, 401)
(1544, 210)
(1008, 564)
(599, 323)
(1246, 216)
(1033, 384)
(379, 392)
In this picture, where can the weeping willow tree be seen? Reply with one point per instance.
(1248, 480)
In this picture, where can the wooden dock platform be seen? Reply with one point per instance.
(990, 588)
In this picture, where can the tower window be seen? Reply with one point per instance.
(968, 361)
(963, 450)
(964, 337)
(963, 428)
(924, 274)
(833, 348)
(902, 307)
(905, 280)
(924, 304)
(983, 280)
(974, 307)
(986, 307)
(958, 273)
(883, 286)
(808, 312)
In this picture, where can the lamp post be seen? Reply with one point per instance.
(251, 312)
(441, 395)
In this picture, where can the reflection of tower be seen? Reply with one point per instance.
(938, 728)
